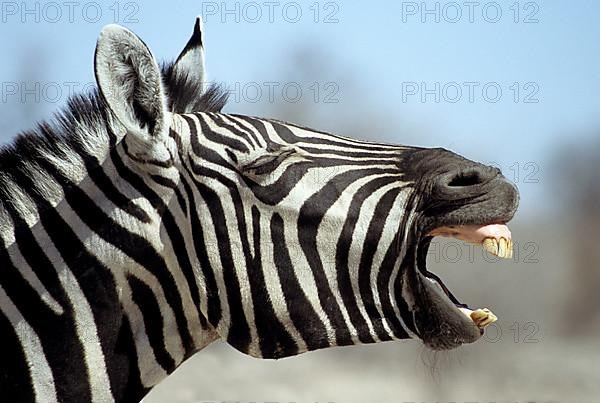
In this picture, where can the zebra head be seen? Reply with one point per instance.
(291, 239)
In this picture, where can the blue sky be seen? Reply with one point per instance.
(375, 53)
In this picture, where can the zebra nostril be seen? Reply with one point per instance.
(468, 178)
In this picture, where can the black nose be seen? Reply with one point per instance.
(466, 181)
(472, 176)
(478, 185)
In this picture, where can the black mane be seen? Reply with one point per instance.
(185, 94)
(84, 116)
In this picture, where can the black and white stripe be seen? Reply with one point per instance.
(135, 232)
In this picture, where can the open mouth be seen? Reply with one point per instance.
(495, 239)
(461, 199)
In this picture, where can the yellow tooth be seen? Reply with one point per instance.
(483, 317)
(491, 245)
(503, 248)
(507, 252)
(500, 247)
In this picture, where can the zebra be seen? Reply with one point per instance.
(142, 224)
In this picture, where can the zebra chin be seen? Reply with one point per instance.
(436, 313)
(442, 325)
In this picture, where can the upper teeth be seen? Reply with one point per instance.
(501, 247)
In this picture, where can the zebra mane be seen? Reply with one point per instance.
(77, 134)
(186, 94)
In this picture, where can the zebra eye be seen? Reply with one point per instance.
(267, 163)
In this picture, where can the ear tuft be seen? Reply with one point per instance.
(130, 81)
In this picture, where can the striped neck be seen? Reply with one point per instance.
(91, 270)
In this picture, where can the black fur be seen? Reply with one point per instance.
(185, 93)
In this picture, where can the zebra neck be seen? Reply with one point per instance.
(89, 272)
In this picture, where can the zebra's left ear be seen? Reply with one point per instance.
(130, 81)
(190, 61)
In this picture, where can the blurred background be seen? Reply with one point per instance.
(513, 84)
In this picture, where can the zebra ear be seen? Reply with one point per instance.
(190, 61)
(130, 81)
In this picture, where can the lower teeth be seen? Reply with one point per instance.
(481, 317)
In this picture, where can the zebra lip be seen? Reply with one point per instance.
(494, 238)
(443, 325)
